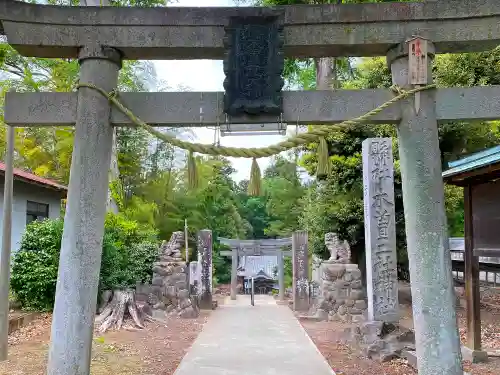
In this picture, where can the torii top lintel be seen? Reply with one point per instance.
(197, 33)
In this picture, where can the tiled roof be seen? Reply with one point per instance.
(19, 174)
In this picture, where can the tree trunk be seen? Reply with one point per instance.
(113, 314)
(326, 76)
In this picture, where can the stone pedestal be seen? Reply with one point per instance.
(342, 295)
(380, 230)
(205, 258)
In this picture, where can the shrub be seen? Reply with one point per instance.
(129, 250)
(34, 270)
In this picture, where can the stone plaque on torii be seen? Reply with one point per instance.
(273, 247)
(102, 37)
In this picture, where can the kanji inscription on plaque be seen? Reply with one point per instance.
(253, 65)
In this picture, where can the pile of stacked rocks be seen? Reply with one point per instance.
(342, 296)
(169, 292)
(381, 341)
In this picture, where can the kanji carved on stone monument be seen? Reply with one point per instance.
(380, 230)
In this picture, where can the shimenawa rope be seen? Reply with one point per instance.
(314, 134)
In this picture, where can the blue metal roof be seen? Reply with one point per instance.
(474, 161)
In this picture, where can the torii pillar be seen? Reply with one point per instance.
(81, 248)
(434, 317)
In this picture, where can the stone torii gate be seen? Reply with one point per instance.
(102, 37)
(272, 247)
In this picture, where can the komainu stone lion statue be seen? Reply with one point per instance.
(340, 252)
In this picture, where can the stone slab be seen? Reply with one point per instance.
(380, 230)
(240, 339)
(183, 109)
(410, 356)
(474, 356)
(21, 320)
(197, 33)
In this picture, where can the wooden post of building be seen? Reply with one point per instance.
(472, 351)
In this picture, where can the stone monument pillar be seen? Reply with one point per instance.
(300, 271)
(434, 316)
(380, 230)
(81, 247)
(205, 258)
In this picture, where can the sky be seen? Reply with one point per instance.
(207, 75)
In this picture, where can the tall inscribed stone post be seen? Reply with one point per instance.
(205, 258)
(380, 230)
(300, 263)
(81, 247)
(434, 317)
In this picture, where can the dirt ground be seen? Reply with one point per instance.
(346, 361)
(156, 350)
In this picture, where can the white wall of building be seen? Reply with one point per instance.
(24, 192)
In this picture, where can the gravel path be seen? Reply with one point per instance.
(156, 350)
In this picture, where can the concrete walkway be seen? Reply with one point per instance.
(265, 339)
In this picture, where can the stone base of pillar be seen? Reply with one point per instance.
(474, 356)
(467, 354)
(206, 302)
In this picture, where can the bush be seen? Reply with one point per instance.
(129, 251)
(34, 270)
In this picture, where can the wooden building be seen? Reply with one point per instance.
(479, 175)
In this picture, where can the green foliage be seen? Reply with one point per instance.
(454, 210)
(129, 250)
(34, 269)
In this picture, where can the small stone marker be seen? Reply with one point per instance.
(194, 278)
(205, 257)
(300, 271)
(380, 230)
